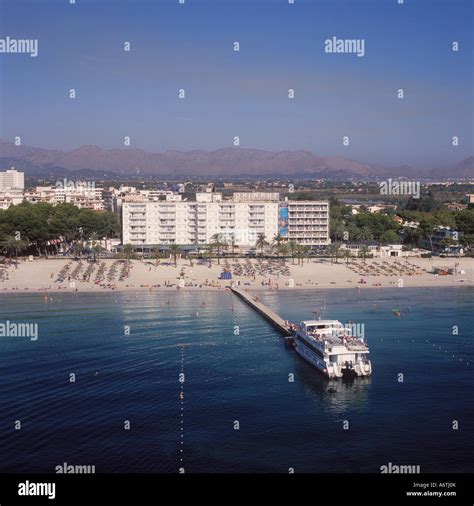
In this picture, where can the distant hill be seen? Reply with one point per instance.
(464, 169)
(90, 160)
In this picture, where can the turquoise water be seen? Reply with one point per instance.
(127, 351)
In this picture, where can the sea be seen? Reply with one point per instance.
(197, 381)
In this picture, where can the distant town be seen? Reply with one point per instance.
(282, 218)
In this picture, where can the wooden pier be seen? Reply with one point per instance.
(276, 320)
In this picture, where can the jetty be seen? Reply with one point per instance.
(276, 320)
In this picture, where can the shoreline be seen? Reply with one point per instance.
(108, 276)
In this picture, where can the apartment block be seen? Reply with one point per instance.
(12, 180)
(308, 222)
(195, 222)
(238, 220)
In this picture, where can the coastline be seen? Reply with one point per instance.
(44, 276)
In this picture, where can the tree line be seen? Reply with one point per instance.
(41, 228)
(382, 227)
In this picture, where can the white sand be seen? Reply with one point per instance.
(40, 275)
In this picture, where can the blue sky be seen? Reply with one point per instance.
(245, 94)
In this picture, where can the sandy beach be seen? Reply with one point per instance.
(52, 275)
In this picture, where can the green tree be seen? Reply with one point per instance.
(333, 251)
(210, 252)
(303, 252)
(261, 242)
(128, 251)
(157, 254)
(411, 236)
(277, 240)
(11, 245)
(233, 245)
(218, 244)
(389, 237)
(464, 221)
(424, 204)
(346, 255)
(427, 227)
(293, 250)
(174, 252)
(281, 250)
(467, 241)
(364, 252)
(364, 234)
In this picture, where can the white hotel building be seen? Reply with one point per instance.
(308, 222)
(12, 180)
(238, 220)
(12, 184)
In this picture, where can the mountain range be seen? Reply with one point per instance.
(93, 161)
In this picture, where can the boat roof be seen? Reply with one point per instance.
(321, 322)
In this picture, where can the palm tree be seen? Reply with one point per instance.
(337, 231)
(277, 240)
(330, 251)
(174, 252)
(283, 250)
(233, 245)
(95, 243)
(210, 251)
(77, 248)
(333, 251)
(261, 242)
(128, 251)
(293, 248)
(364, 251)
(218, 245)
(337, 250)
(303, 252)
(12, 245)
(346, 254)
(364, 234)
(157, 253)
(277, 244)
(97, 249)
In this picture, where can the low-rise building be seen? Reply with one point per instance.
(82, 196)
(443, 240)
(10, 198)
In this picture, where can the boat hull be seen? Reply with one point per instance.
(312, 358)
(333, 371)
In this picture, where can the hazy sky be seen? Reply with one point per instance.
(243, 93)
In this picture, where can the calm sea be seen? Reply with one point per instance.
(128, 350)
